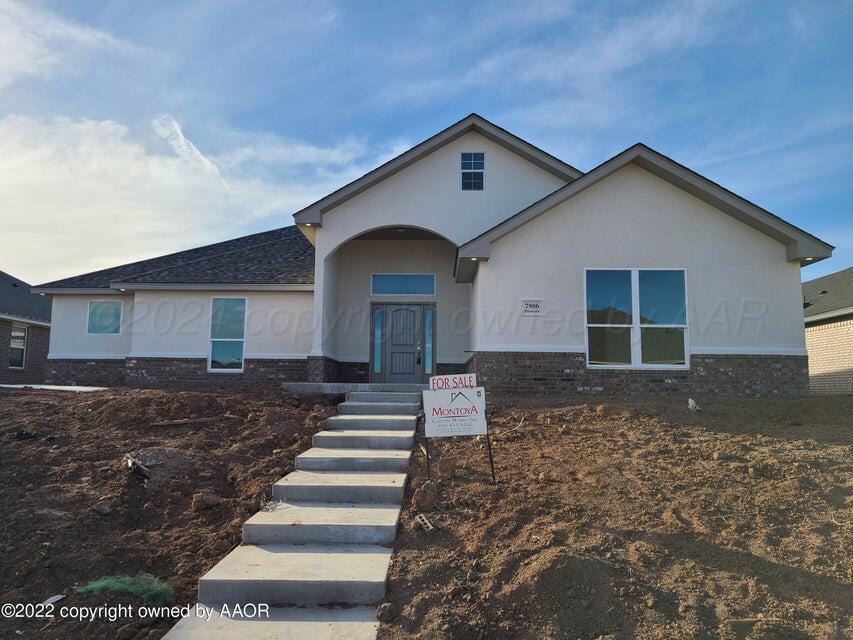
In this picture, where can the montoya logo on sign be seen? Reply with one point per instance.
(455, 412)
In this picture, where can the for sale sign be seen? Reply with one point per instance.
(458, 381)
(455, 412)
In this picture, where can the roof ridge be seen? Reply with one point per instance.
(218, 254)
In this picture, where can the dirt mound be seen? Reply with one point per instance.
(74, 512)
(633, 519)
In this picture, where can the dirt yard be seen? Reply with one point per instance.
(634, 520)
(72, 512)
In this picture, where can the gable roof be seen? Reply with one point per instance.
(279, 258)
(16, 301)
(829, 296)
(313, 213)
(801, 245)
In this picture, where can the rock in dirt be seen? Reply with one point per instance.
(446, 467)
(426, 497)
(386, 612)
(126, 632)
(104, 507)
(205, 500)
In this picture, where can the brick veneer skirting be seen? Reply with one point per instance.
(92, 372)
(745, 375)
(325, 369)
(35, 356)
(174, 373)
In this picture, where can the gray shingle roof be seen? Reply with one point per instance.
(16, 300)
(837, 293)
(280, 256)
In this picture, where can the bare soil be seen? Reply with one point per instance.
(633, 519)
(72, 511)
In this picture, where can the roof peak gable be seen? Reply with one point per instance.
(801, 245)
(313, 213)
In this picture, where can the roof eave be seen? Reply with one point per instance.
(123, 287)
(24, 320)
(800, 245)
(829, 315)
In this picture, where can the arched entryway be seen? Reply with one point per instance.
(392, 310)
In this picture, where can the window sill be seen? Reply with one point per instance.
(631, 367)
(231, 371)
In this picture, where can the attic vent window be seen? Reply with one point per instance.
(473, 170)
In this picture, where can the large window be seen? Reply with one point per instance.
(18, 347)
(227, 331)
(403, 284)
(473, 171)
(636, 318)
(104, 316)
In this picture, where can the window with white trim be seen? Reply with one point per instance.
(104, 316)
(636, 318)
(227, 332)
(17, 347)
(421, 284)
(473, 171)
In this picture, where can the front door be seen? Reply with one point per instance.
(402, 338)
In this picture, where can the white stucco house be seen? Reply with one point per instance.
(472, 251)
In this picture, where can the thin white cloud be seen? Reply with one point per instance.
(168, 128)
(588, 73)
(33, 41)
(80, 195)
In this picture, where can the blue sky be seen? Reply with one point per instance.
(129, 129)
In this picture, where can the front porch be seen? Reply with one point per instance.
(388, 310)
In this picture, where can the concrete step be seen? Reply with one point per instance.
(298, 574)
(285, 623)
(379, 408)
(328, 486)
(322, 523)
(346, 387)
(371, 422)
(322, 459)
(383, 396)
(364, 439)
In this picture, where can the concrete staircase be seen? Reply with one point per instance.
(318, 553)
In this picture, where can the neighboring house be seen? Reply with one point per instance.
(828, 310)
(473, 251)
(24, 332)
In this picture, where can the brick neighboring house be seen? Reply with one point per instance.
(24, 332)
(828, 311)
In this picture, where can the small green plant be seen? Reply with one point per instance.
(143, 586)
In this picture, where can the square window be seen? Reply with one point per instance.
(609, 345)
(608, 297)
(636, 317)
(226, 354)
(104, 317)
(662, 346)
